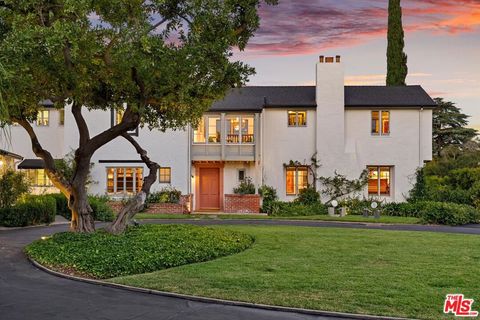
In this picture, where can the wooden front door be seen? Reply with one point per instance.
(209, 188)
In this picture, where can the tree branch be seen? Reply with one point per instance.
(158, 24)
(81, 124)
(52, 172)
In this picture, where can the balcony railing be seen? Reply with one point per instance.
(235, 138)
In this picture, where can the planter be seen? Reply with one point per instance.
(242, 203)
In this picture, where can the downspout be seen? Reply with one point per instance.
(420, 163)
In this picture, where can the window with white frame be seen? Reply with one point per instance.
(240, 129)
(208, 130)
(124, 180)
(297, 118)
(379, 180)
(165, 175)
(43, 118)
(381, 123)
(296, 179)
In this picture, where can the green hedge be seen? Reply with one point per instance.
(33, 210)
(100, 207)
(292, 209)
(434, 212)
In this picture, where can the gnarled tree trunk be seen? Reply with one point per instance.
(137, 203)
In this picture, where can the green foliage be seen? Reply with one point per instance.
(292, 209)
(101, 210)
(308, 196)
(99, 204)
(245, 186)
(13, 185)
(449, 128)
(140, 249)
(166, 195)
(403, 209)
(357, 206)
(339, 185)
(32, 210)
(397, 69)
(269, 195)
(66, 167)
(419, 190)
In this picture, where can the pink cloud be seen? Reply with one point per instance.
(307, 26)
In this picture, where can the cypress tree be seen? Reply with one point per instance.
(396, 58)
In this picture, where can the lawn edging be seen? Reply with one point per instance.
(332, 314)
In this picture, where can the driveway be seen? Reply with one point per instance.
(28, 293)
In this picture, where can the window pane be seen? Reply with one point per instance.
(120, 182)
(61, 114)
(247, 129)
(110, 180)
(129, 180)
(214, 130)
(302, 178)
(302, 118)
(373, 180)
(233, 130)
(385, 180)
(385, 122)
(139, 178)
(290, 180)
(375, 122)
(119, 116)
(199, 133)
(292, 118)
(42, 117)
(165, 175)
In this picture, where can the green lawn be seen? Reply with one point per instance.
(350, 218)
(378, 272)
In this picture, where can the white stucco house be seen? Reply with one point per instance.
(254, 132)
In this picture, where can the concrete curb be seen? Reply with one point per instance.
(330, 314)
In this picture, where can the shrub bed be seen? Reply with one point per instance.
(101, 210)
(140, 249)
(292, 209)
(32, 210)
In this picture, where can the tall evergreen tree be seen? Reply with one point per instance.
(396, 58)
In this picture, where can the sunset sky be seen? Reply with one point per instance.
(442, 42)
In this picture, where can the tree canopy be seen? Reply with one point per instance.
(167, 60)
(449, 128)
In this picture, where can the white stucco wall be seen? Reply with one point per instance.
(169, 149)
(282, 143)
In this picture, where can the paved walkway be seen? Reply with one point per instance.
(28, 293)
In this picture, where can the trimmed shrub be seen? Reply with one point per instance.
(449, 213)
(403, 209)
(269, 195)
(166, 195)
(13, 185)
(308, 196)
(245, 187)
(101, 210)
(357, 206)
(62, 205)
(33, 210)
(292, 209)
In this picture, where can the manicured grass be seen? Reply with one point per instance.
(350, 218)
(378, 272)
(140, 249)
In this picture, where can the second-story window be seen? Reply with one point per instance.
(117, 116)
(43, 118)
(240, 129)
(381, 123)
(208, 130)
(61, 117)
(297, 118)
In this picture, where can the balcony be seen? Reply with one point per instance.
(222, 137)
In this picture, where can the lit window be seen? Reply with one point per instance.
(297, 118)
(124, 180)
(214, 129)
(199, 133)
(296, 179)
(61, 117)
(39, 178)
(380, 122)
(118, 116)
(379, 180)
(43, 118)
(165, 175)
(240, 129)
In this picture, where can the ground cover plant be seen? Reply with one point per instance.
(141, 249)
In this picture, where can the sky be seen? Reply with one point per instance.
(442, 41)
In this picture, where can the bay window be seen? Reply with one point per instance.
(126, 180)
(208, 130)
